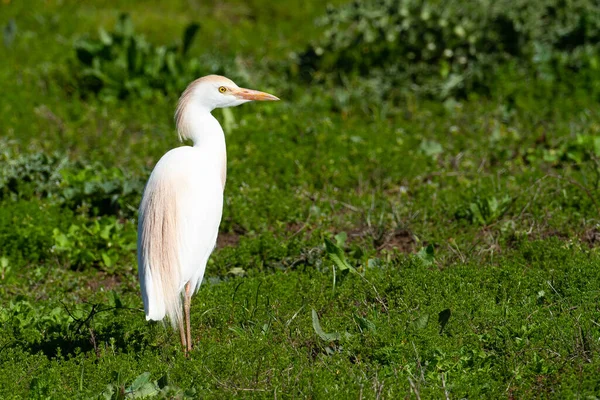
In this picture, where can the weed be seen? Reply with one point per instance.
(120, 63)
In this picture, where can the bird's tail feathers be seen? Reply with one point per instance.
(159, 244)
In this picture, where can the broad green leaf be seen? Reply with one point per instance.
(421, 322)
(329, 337)
(340, 239)
(427, 254)
(338, 257)
(431, 148)
(364, 323)
(105, 37)
(237, 271)
(188, 37)
(107, 260)
(142, 387)
(124, 26)
(108, 393)
(149, 389)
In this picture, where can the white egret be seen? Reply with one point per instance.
(182, 204)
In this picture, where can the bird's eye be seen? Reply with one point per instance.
(222, 89)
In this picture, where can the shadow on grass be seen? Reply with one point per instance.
(94, 333)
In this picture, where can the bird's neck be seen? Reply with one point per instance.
(204, 131)
(208, 137)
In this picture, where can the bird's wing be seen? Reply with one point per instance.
(178, 225)
(201, 211)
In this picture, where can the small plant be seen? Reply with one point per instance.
(103, 242)
(578, 150)
(426, 254)
(28, 175)
(484, 210)
(143, 387)
(32, 324)
(328, 337)
(96, 190)
(90, 189)
(120, 63)
(332, 339)
(337, 256)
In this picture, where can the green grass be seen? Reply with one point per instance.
(473, 227)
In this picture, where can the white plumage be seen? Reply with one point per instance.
(179, 221)
(182, 204)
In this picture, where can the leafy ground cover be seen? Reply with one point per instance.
(371, 247)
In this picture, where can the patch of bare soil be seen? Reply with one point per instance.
(103, 280)
(592, 237)
(229, 239)
(553, 233)
(401, 240)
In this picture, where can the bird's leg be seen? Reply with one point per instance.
(182, 336)
(187, 303)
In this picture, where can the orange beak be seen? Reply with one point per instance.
(254, 95)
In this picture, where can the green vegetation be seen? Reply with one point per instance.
(121, 63)
(455, 48)
(377, 242)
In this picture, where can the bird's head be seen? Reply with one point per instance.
(210, 92)
(214, 91)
